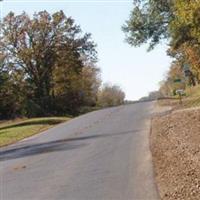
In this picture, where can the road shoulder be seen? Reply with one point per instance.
(175, 149)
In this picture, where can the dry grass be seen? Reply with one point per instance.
(192, 99)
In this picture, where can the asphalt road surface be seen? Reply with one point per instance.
(103, 155)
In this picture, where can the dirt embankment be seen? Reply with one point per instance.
(175, 144)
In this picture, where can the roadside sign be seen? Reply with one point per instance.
(178, 80)
(180, 93)
(186, 67)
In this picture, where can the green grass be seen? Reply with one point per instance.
(13, 131)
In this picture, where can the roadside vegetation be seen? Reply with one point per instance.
(178, 23)
(175, 136)
(15, 130)
(48, 67)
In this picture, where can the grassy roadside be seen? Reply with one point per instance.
(192, 99)
(13, 131)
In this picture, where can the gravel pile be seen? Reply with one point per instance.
(175, 144)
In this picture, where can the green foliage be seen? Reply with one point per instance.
(177, 21)
(185, 28)
(148, 22)
(154, 20)
(11, 90)
(44, 60)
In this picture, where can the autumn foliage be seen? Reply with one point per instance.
(48, 66)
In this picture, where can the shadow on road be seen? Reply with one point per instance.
(57, 145)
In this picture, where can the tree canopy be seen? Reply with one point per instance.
(47, 66)
(46, 53)
(149, 22)
(154, 20)
(175, 21)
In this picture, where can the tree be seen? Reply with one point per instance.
(154, 20)
(11, 89)
(174, 80)
(110, 95)
(90, 83)
(185, 34)
(185, 27)
(73, 91)
(148, 22)
(49, 50)
(189, 55)
(178, 21)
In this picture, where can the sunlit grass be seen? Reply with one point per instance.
(11, 132)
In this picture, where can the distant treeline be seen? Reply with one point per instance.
(48, 67)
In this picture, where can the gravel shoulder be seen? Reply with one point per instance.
(175, 145)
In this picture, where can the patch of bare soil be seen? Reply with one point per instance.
(175, 145)
(173, 102)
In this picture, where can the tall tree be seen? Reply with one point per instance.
(185, 27)
(43, 47)
(154, 20)
(178, 21)
(72, 90)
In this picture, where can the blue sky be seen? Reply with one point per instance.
(134, 69)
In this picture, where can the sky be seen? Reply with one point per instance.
(137, 71)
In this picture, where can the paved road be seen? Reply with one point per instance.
(103, 155)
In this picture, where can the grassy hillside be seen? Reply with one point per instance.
(12, 131)
(192, 99)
